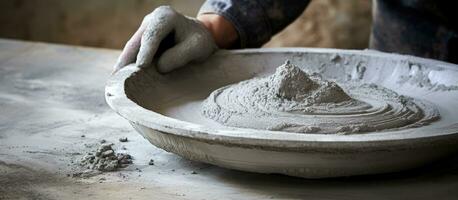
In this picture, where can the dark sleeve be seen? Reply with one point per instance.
(424, 28)
(256, 21)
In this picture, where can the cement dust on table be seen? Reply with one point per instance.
(294, 101)
(105, 159)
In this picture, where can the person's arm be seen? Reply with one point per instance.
(255, 21)
(222, 30)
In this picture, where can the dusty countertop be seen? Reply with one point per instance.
(52, 95)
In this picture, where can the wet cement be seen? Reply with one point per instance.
(294, 101)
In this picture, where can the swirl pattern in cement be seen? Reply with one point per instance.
(294, 101)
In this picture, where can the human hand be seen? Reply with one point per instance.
(192, 41)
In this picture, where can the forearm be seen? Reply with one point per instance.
(222, 30)
(255, 21)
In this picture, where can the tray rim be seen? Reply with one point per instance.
(403, 139)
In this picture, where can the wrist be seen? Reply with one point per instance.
(222, 30)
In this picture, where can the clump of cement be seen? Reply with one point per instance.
(294, 101)
(420, 77)
(123, 139)
(105, 159)
(151, 162)
(291, 83)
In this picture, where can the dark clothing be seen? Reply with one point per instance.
(425, 28)
(256, 21)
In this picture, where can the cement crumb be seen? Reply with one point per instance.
(105, 159)
(151, 162)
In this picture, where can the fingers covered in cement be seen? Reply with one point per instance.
(197, 45)
(130, 51)
(176, 56)
(192, 41)
(145, 35)
(159, 24)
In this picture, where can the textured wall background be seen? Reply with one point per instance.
(109, 23)
(329, 23)
(101, 23)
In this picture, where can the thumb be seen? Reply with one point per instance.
(129, 53)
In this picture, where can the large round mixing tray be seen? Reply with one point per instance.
(166, 110)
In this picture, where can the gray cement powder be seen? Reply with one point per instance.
(105, 159)
(294, 101)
